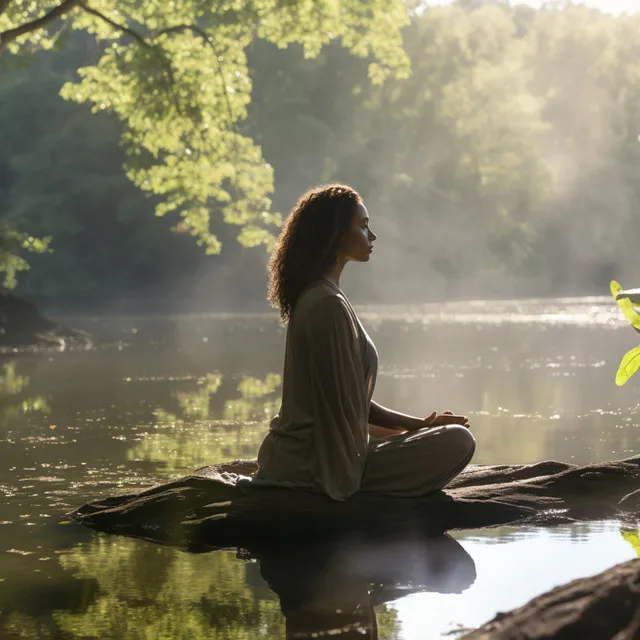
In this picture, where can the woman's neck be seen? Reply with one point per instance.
(333, 274)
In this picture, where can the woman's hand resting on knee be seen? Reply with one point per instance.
(442, 419)
(385, 423)
(434, 420)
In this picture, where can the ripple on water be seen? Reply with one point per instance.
(600, 311)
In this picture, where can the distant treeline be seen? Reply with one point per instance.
(508, 163)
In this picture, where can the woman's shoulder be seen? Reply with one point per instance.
(322, 305)
(313, 294)
(319, 297)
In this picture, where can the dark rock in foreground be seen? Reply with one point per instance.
(22, 325)
(211, 508)
(604, 607)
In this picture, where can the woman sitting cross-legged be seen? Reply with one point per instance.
(329, 434)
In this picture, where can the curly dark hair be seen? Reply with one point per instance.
(308, 245)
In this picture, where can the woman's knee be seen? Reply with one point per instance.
(462, 440)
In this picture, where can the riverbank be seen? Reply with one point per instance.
(22, 326)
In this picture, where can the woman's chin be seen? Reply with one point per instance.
(362, 257)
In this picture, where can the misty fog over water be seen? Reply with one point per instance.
(175, 393)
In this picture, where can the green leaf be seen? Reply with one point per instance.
(629, 365)
(633, 538)
(615, 287)
(12, 243)
(626, 305)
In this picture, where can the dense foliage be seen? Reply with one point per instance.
(175, 75)
(508, 157)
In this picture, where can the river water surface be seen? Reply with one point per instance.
(168, 395)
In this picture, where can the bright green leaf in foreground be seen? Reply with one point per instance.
(633, 538)
(631, 361)
(629, 365)
(626, 305)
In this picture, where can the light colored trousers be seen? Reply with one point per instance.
(419, 462)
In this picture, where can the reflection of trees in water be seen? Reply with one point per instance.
(13, 401)
(116, 587)
(252, 403)
(141, 590)
(198, 437)
(10, 382)
(533, 392)
(195, 404)
(147, 591)
(21, 626)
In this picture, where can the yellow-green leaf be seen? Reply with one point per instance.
(633, 538)
(629, 365)
(626, 305)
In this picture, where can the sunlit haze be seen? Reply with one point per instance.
(231, 407)
(607, 6)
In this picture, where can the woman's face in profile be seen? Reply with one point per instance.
(357, 242)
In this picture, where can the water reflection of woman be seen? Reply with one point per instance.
(329, 434)
(332, 590)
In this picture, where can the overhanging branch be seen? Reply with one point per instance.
(60, 10)
(143, 43)
(181, 28)
(117, 26)
(8, 36)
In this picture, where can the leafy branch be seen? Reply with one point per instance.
(177, 78)
(627, 302)
(117, 26)
(12, 244)
(8, 36)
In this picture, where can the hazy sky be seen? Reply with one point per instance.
(611, 6)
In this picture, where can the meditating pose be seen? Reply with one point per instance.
(329, 434)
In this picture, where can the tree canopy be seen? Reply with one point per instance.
(175, 74)
(506, 162)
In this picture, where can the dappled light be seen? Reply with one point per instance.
(14, 401)
(191, 440)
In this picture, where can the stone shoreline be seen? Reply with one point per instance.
(23, 327)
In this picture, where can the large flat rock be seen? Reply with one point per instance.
(602, 607)
(214, 507)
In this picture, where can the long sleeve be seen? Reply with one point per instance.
(338, 397)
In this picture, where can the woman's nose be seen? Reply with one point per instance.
(372, 235)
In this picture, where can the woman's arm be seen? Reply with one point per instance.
(380, 416)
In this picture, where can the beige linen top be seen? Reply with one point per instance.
(318, 440)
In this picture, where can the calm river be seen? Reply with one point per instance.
(168, 395)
